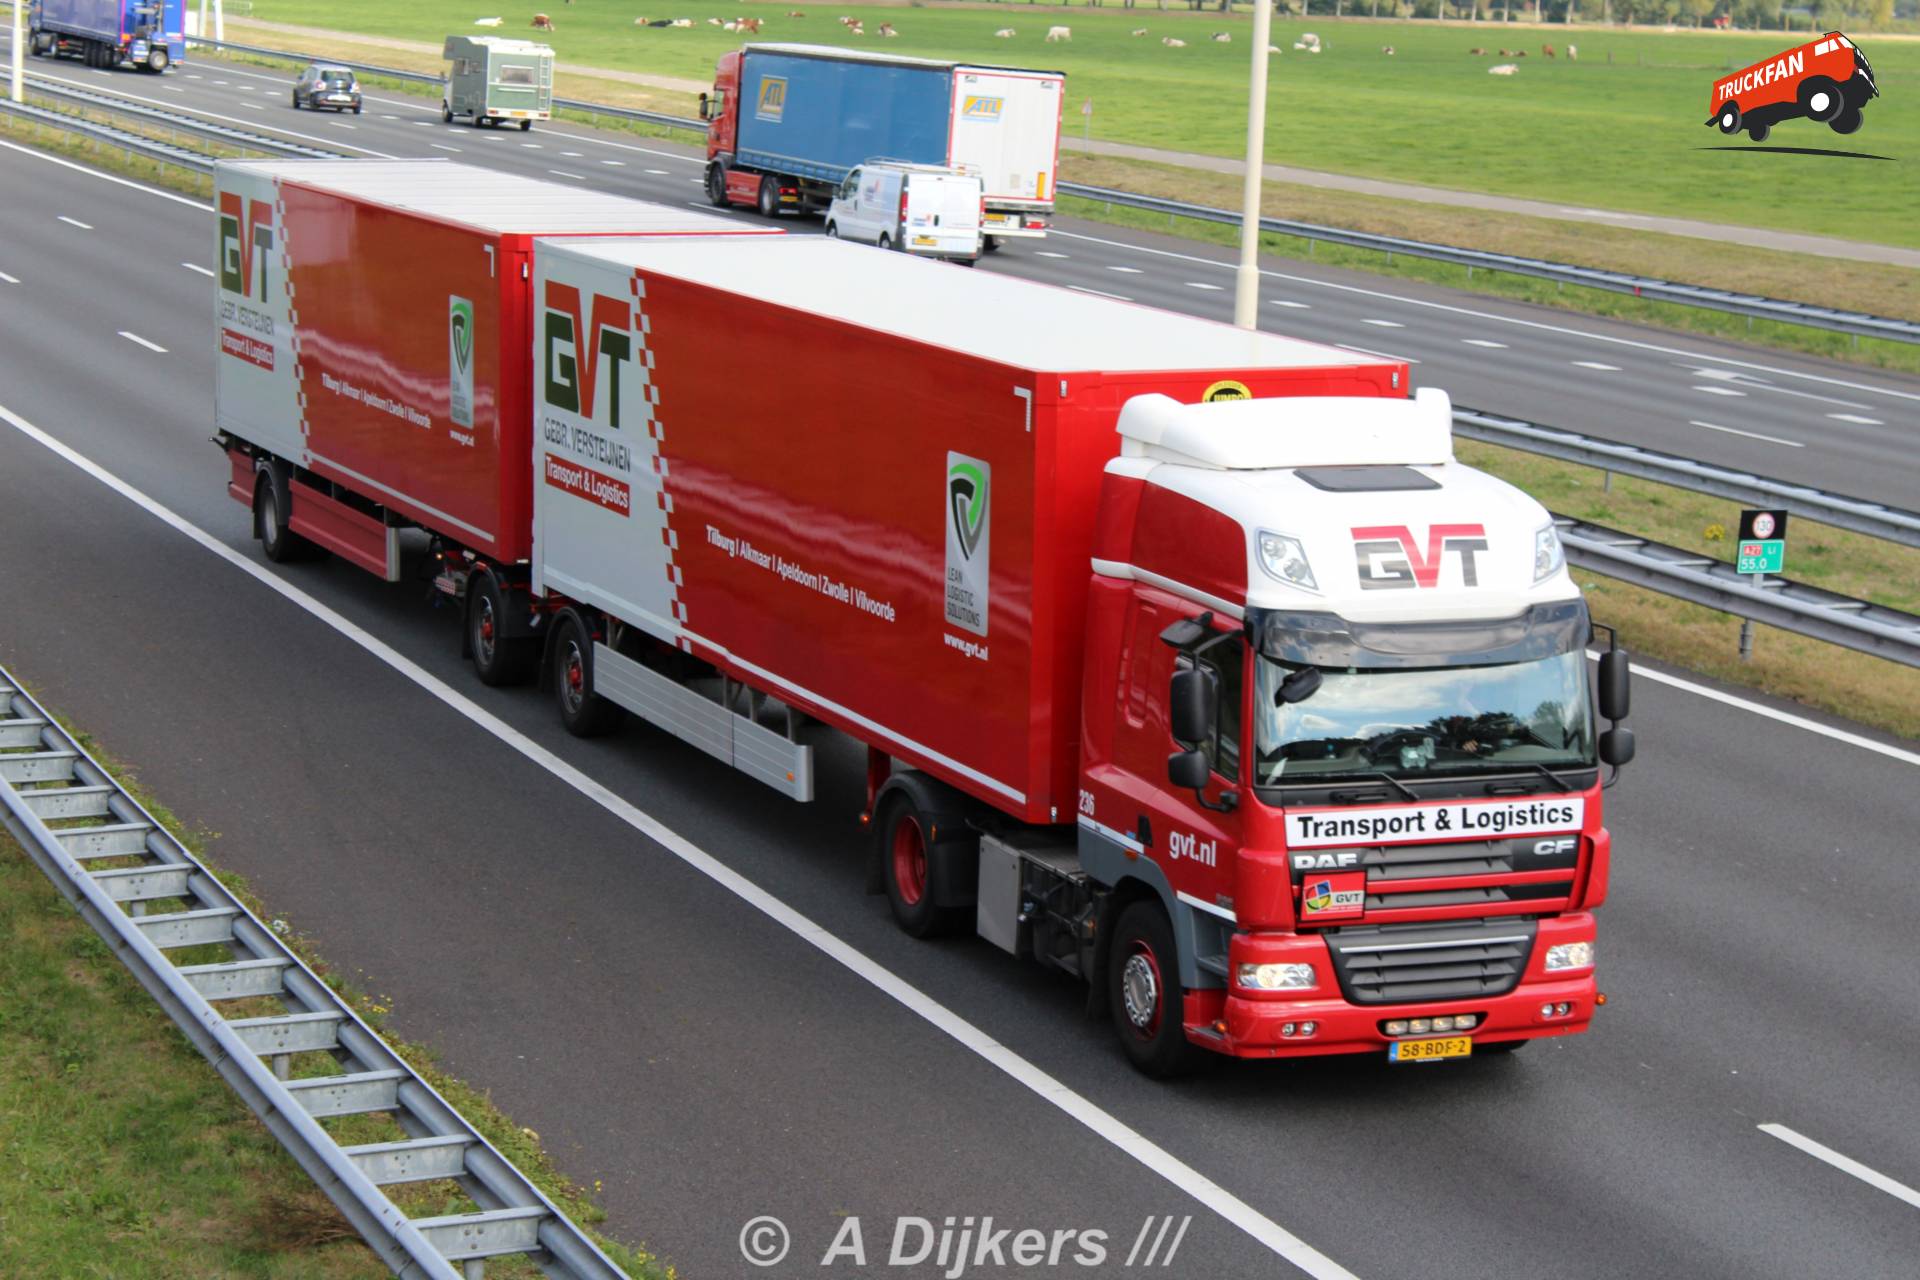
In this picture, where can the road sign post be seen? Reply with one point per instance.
(1762, 550)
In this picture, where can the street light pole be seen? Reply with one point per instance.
(19, 81)
(1246, 289)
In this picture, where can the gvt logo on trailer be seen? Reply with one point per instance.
(571, 368)
(1390, 560)
(1825, 80)
(241, 253)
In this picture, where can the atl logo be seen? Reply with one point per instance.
(1390, 559)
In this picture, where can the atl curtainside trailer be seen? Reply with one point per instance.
(1187, 659)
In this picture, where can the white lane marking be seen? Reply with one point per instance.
(1197, 284)
(1482, 342)
(1751, 435)
(441, 146)
(571, 155)
(1130, 271)
(1856, 418)
(1385, 324)
(1047, 253)
(1096, 1119)
(192, 76)
(253, 106)
(385, 116)
(1845, 1164)
(173, 88)
(1369, 351)
(1720, 391)
(151, 346)
(564, 174)
(1733, 377)
(194, 266)
(1117, 297)
(1497, 318)
(219, 81)
(1288, 302)
(244, 88)
(615, 163)
(1595, 364)
(342, 124)
(249, 122)
(106, 177)
(698, 182)
(75, 222)
(532, 146)
(16, 279)
(424, 124)
(659, 173)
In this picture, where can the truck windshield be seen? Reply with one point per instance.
(1424, 722)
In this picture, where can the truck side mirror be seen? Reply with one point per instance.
(703, 108)
(1616, 747)
(1298, 687)
(1614, 684)
(1188, 770)
(1190, 708)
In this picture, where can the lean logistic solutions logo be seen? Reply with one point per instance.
(1828, 81)
(969, 493)
(460, 361)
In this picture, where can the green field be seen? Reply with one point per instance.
(1622, 134)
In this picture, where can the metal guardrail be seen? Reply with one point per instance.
(66, 811)
(1871, 518)
(1859, 324)
(164, 152)
(208, 129)
(1703, 580)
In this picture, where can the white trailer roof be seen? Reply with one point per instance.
(1017, 322)
(489, 200)
(839, 54)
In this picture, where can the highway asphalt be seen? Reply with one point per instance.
(672, 1036)
(1812, 421)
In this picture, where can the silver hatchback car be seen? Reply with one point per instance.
(321, 85)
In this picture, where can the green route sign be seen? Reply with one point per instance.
(1763, 542)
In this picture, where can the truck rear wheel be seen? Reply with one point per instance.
(1848, 121)
(769, 197)
(1758, 131)
(907, 863)
(583, 713)
(277, 542)
(497, 660)
(1145, 995)
(157, 60)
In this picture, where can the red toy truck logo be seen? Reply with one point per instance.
(1826, 80)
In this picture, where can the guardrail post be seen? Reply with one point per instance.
(1746, 639)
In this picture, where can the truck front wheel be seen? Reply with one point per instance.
(497, 660)
(157, 60)
(717, 185)
(907, 862)
(583, 713)
(1145, 995)
(1729, 120)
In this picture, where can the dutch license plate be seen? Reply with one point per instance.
(1430, 1050)
(925, 240)
(997, 219)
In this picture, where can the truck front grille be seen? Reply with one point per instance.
(1404, 964)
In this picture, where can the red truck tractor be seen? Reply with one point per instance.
(1826, 80)
(1188, 660)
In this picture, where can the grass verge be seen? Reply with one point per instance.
(121, 1142)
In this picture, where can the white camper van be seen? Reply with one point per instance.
(916, 208)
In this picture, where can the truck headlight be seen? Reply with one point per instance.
(1570, 955)
(1277, 977)
(1285, 560)
(1549, 557)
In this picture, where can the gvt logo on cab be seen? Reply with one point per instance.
(572, 368)
(1390, 559)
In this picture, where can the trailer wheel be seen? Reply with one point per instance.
(526, 126)
(1758, 131)
(583, 713)
(277, 542)
(769, 199)
(1729, 121)
(1145, 994)
(907, 861)
(1821, 99)
(496, 660)
(1848, 121)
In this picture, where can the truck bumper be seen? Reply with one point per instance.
(1247, 1025)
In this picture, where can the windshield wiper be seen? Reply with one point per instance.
(1497, 788)
(1385, 777)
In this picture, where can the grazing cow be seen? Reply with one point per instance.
(886, 29)
(1387, 49)
(541, 22)
(1547, 49)
(1476, 53)
(1139, 31)
(1573, 53)
(681, 22)
(1171, 43)
(1273, 48)
(1519, 53)
(486, 22)
(845, 21)
(1004, 33)
(750, 25)
(1504, 69)
(795, 13)
(1222, 37)
(1056, 34)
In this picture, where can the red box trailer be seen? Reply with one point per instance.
(374, 369)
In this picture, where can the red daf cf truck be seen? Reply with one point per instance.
(1187, 659)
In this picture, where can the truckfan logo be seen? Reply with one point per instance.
(460, 361)
(773, 99)
(572, 369)
(969, 491)
(1390, 559)
(240, 254)
(1827, 81)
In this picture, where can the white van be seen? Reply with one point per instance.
(916, 208)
